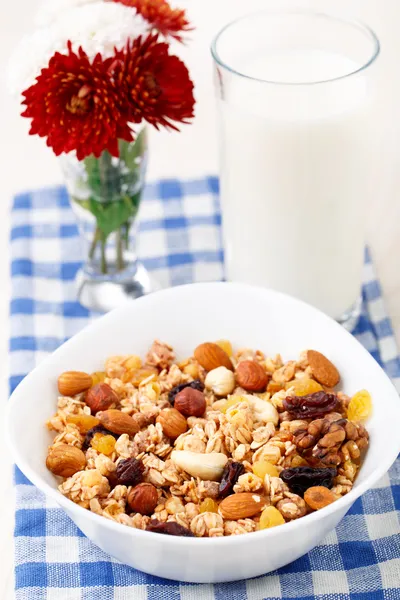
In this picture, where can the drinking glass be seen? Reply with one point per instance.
(295, 94)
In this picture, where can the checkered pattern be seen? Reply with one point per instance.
(180, 242)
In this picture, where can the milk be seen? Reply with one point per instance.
(295, 165)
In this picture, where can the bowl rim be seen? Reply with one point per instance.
(291, 527)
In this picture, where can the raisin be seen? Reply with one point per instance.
(299, 479)
(209, 505)
(196, 385)
(112, 479)
(90, 434)
(130, 471)
(169, 528)
(104, 444)
(360, 406)
(310, 406)
(271, 517)
(230, 475)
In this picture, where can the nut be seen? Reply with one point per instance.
(172, 422)
(210, 356)
(100, 397)
(143, 498)
(71, 383)
(242, 506)
(190, 402)
(318, 497)
(221, 381)
(251, 376)
(263, 410)
(322, 369)
(285, 373)
(208, 467)
(65, 460)
(118, 422)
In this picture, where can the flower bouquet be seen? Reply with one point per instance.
(93, 76)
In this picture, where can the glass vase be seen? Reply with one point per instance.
(105, 195)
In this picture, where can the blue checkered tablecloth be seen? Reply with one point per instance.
(179, 242)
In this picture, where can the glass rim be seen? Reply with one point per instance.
(359, 25)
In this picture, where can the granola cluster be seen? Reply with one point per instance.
(222, 443)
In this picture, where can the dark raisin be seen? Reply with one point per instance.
(169, 528)
(196, 384)
(97, 429)
(313, 405)
(112, 479)
(299, 479)
(230, 475)
(130, 471)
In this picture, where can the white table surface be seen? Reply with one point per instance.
(26, 163)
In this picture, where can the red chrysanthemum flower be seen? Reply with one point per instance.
(156, 85)
(166, 20)
(75, 105)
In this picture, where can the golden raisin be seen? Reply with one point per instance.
(298, 461)
(83, 422)
(360, 406)
(318, 497)
(304, 386)
(261, 468)
(133, 362)
(104, 444)
(192, 369)
(271, 517)
(98, 377)
(226, 346)
(208, 505)
(231, 402)
(273, 387)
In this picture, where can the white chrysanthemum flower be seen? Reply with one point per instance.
(52, 10)
(98, 27)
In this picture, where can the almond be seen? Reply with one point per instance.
(210, 356)
(322, 369)
(118, 422)
(71, 383)
(242, 506)
(190, 402)
(251, 376)
(143, 498)
(65, 460)
(100, 397)
(172, 422)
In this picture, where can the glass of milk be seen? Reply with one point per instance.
(297, 140)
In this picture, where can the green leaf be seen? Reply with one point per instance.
(129, 152)
(112, 215)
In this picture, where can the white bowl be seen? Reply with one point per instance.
(186, 316)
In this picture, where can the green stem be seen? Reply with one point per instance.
(103, 261)
(120, 255)
(94, 243)
(125, 235)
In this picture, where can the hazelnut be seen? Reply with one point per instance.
(172, 422)
(143, 498)
(100, 397)
(221, 381)
(65, 460)
(190, 402)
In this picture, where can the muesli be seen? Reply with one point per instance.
(221, 443)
